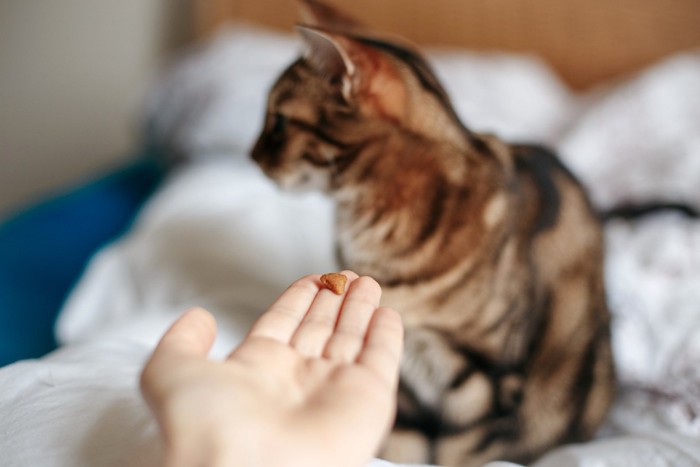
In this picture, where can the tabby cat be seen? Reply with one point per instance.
(490, 251)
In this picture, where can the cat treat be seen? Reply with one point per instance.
(335, 282)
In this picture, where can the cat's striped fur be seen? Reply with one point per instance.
(490, 251)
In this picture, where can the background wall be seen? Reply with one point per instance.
(73, 75)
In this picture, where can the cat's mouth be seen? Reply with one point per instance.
(297, 181)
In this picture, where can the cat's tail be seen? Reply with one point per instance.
(633, 211)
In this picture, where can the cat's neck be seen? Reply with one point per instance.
(405, 199)
(396, 171)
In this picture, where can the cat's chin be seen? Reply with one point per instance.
(302, 189)
(303, 183)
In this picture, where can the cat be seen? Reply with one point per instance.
(491, 251)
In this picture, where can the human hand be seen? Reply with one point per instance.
(313, 383)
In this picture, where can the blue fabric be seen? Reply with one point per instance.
(44, 249)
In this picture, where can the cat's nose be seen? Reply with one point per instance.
(267, 151)
(256, 153)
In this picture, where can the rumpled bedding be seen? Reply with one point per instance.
(220, 235)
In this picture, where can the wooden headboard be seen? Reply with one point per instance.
(586, 41)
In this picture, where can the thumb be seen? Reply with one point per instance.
(191, 335)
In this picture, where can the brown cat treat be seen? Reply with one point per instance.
(335, 282)
(490, 250)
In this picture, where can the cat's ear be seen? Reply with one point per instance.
(367, 77)
(329, 57)
(320, 15)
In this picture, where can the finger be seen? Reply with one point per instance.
(360, 303)
(193, 334)
(282, 319)
(383, 346)
(317, 326)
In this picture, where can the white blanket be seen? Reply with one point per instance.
(219, 234)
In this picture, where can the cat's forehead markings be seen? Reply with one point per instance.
(287, 91)
(288, 85)
(289, 103)
(299, 109)
(281, 96)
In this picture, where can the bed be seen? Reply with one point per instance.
(216, 233)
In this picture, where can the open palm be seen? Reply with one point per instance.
(313, 383)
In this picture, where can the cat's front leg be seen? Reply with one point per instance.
(406, 446)
(424, 374)
(455, 406)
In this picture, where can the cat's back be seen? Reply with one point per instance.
(557, 217)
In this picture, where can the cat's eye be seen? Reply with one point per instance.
(279, 123)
